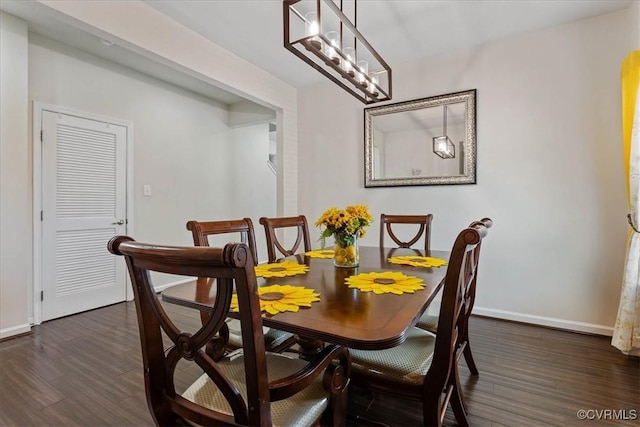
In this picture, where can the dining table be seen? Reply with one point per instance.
(343, 315)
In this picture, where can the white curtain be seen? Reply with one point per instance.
(626, 333)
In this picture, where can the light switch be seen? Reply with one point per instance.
(147, 189)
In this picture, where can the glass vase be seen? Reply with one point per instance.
(345, 251)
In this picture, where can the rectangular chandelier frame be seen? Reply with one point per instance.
(370, 85)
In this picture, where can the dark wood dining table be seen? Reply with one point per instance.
(345, 316)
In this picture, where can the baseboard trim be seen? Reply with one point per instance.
(160, 288)
(15, 330)
(551, 322)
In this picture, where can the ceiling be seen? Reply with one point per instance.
(400, 30)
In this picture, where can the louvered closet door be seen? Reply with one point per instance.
(83, 199)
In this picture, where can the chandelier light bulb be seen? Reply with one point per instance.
(373, 87)
(363, 66)
(333, 46)
(312, 28)
(347, 64)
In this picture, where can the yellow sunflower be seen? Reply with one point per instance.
(281, 269)
(275, 299)
(385, 282)
(320, 253)
(418, 261)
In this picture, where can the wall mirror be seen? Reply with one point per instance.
(428, 141)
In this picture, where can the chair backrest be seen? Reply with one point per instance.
(275, 246)
(461, 273)
(230, 265)
(470, 293)
(201, 230)
(424, 229)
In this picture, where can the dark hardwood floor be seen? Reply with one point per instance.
(85, 370)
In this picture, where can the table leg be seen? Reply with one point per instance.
(309, 347)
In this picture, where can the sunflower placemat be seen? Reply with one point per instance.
(281, 269)
(385, 282)
(276, 299)
(320, 253)
(418, 261)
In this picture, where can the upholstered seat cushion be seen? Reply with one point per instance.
(272, 337)
(428, 322)
(302, 409)
(408, 362)
(275, 338)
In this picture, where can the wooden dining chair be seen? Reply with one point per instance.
(247, 387)
(201, 232)
(275, 246)
(423, 230)
(275, 340)
(424, 367)
(429, 322)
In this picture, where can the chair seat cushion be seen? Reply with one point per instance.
(408, 362)
(276, 337)
(428, 322)
(272, 337)
(302, 409)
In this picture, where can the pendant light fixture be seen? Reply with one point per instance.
(442, 145)
(319, 33)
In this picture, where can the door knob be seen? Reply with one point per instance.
(118, 222)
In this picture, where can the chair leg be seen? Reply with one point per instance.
(336, 413)
(457, 400)
(459, 388)
(204, 316)
(457, 405)
(336, 380)
(432, 409)
(468, 357)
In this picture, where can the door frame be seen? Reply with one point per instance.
(38, 108)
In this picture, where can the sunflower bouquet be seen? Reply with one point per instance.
(346, 226)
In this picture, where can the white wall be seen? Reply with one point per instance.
(549, 168)
(183, 144)
(412, 150)
(245, 113)
(253, 182)
(634, 10)
(15, 203)
(146, 31)
(405, 151)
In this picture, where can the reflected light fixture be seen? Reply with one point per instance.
(319, 33)
(442, 145)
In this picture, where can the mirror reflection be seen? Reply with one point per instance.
(428, 141)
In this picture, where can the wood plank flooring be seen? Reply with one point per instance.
(86, 370)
